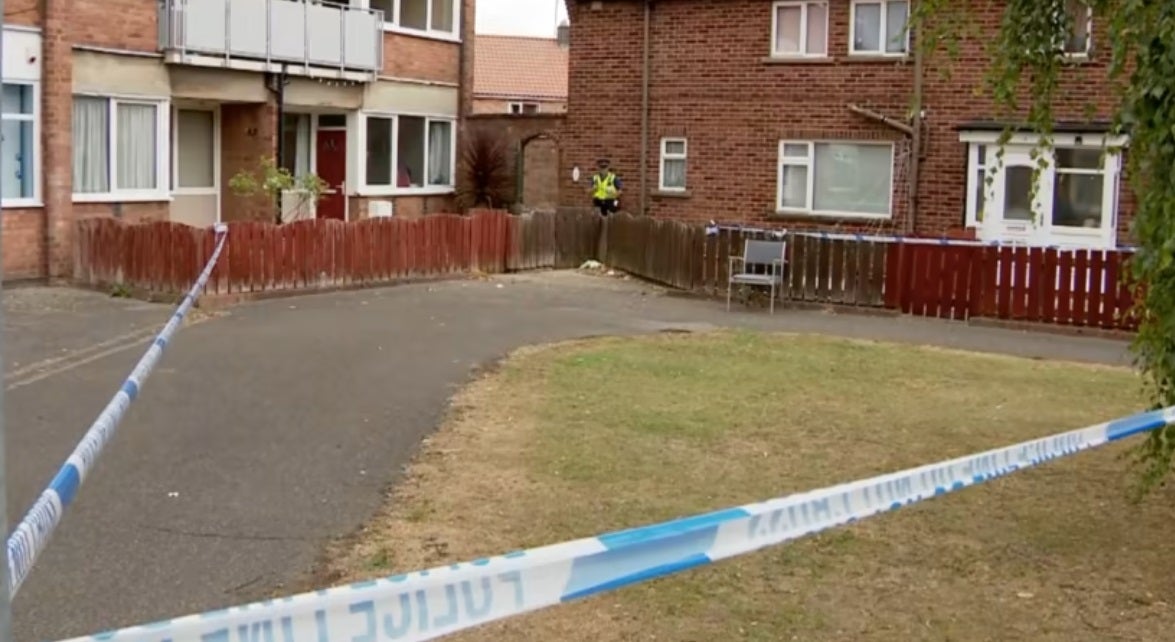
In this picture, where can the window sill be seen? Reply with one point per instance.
(375, 191)
(901, 58)
(121, 198)
(672, 193)
(420, 33)
(798, 60)
(21, 204)
(828, 216)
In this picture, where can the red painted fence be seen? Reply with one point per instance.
(1046, 285)
(262, 257)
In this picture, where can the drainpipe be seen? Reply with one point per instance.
(645, 112)
(279, 91)
(916, 135)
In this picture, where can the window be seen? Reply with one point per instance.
(18, 125)
(116, 148)
(801, 29)
(195, 149)
(879, 27)
(423, 152)
(1079, 18)
(838, 179)
(296, 144)
(523, 108)
(1079, 185)
(437, 16)
(673, 160)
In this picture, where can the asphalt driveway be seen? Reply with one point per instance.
(270, 430)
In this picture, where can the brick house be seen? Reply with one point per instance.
(520, 76)
(797, 113)
(145, 110)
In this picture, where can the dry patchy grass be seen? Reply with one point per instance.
(582, 438)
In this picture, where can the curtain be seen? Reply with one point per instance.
(194, 149)
(817, 28)
(674, 169)
(302, 146)
(442, 15)
(788, 20)
(852, 178)
(793, 193)
(440, 146)
(895, 25)
(867, 27)
(91, 151)
(136, 146)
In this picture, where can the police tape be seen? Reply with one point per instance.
(31, 535)
(429, 604)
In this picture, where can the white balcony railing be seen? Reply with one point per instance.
(310, 34)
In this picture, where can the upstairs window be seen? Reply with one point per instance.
(800, 29)
(429, 16)
(879, 27)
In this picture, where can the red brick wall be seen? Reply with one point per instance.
(248, 134)
(541, 180)
(118, 24)
(24, 244)
(711, 83)
(423, 58)
(26, 13)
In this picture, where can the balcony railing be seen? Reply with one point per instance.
(316, 36)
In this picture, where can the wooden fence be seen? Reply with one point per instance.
(953, 281)
(165, 257)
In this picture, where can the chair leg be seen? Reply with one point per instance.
(773, 297)
(728, 296)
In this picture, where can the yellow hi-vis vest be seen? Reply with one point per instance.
(604, 188)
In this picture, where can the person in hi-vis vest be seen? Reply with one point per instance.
(606, 188)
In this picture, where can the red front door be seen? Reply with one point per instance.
(331, 166)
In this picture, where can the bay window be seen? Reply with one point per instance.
(18, 130)
(1063, 195)
(835, 179)
(438, 17)
(117, 147)
(406, 152)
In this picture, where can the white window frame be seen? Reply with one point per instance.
(666, 155)
(975, 164)
(35, 117)
(519, 108)
(1088, 41)
(162, 191)
(176, 190)
(392, 21)
(803, 52)
(393, 190)
(853, 51)
(1054, 235)
(810, 162)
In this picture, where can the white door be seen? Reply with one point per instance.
(1013, 213)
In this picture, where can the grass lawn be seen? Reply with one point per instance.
(581, 438)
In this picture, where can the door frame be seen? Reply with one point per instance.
(176, 190)
(315, 128)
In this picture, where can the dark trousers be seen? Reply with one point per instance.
(605, 205)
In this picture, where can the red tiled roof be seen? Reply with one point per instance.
(519, 67)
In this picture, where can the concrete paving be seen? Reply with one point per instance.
(268, 432)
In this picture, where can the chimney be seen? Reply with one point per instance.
(563, 34)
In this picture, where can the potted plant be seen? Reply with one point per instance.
(296, 196)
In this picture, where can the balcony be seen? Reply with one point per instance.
(303, 37)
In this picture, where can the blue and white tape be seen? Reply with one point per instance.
(440, 601)
(32, 534)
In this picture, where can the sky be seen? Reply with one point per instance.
(519, 17)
